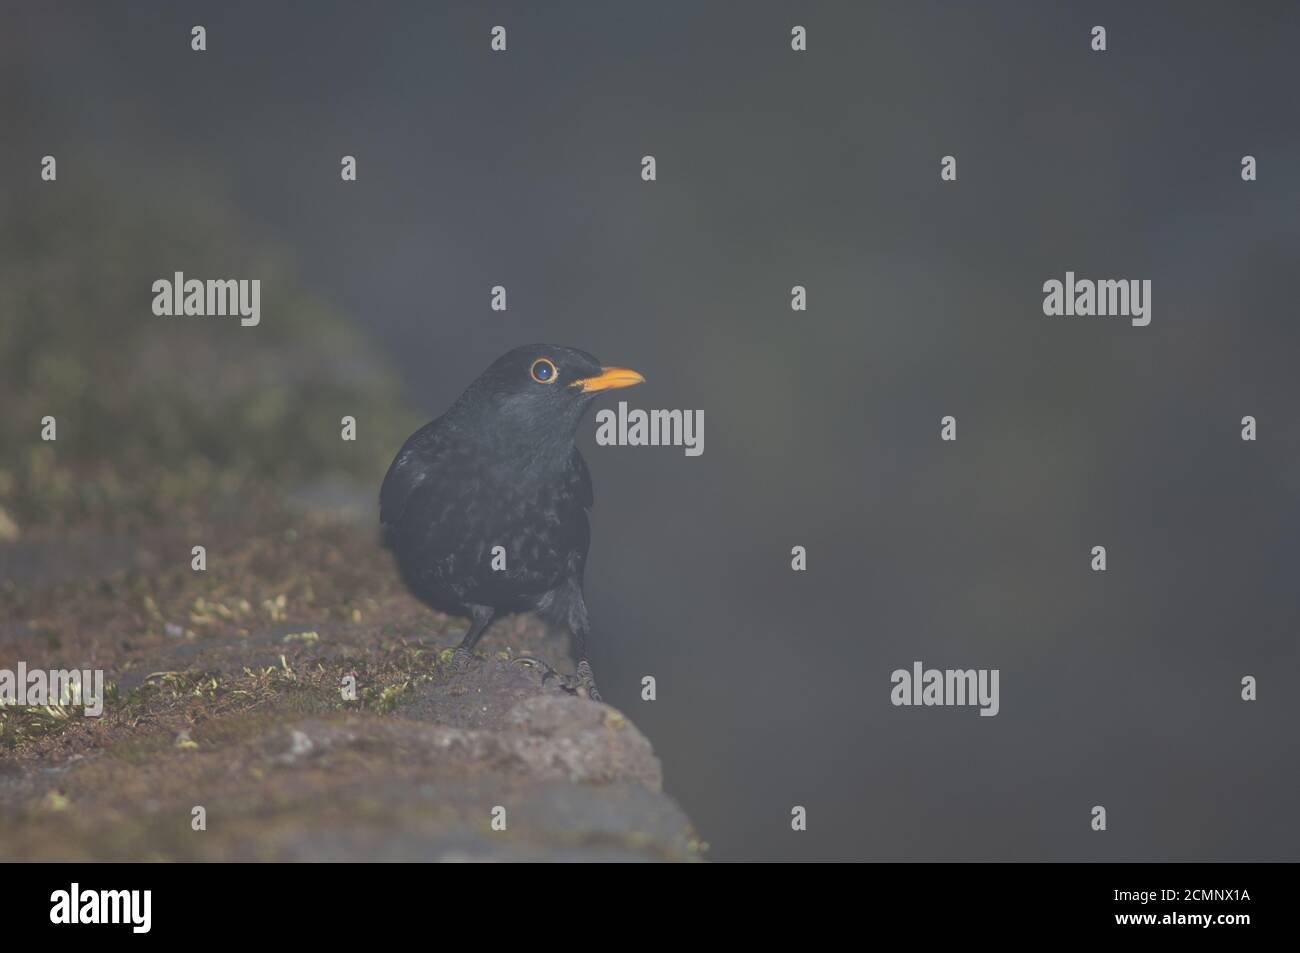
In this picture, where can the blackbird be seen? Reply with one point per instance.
(500, 469)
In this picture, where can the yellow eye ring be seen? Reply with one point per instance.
(543, 371)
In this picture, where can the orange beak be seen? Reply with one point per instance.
(608, 379)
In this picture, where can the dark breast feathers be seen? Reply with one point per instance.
(445, 509)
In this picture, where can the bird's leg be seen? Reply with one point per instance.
(566, 606)
(480, 618)
(586, 680)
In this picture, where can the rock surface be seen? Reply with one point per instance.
(229, 695)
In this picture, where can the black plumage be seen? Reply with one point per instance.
(500, 469)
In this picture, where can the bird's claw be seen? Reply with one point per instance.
(582, 684)
(566, 682)
(530, 661)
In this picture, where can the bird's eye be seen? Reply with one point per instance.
(543, 371)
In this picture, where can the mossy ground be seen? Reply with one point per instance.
(217, 677)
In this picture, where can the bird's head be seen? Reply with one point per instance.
(540, 391)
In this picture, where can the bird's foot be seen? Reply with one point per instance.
(548, 673)
(587, 681)
(460, 660)
(568, 683)
(582, 684)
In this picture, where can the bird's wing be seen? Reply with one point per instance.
(406, 473)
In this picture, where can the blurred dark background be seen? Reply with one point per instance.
(821, 428)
